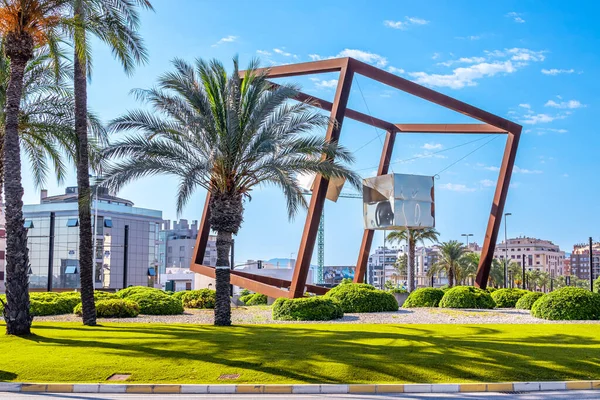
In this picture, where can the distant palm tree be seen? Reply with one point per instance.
(24, 24)
(115, 23)
(496, 273)
(450, 257)
(228, 136)
(412, 237)
(468, 268)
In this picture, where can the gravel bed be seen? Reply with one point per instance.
(262, 315)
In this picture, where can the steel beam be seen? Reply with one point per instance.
(203, 233)
(317, 200)
(367, 240)
(495, 219)
(306, 68)
(449, 128)
(415, 89)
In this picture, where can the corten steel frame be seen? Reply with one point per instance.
(347, 67)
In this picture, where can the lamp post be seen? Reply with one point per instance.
(505, 251)
(467, 236)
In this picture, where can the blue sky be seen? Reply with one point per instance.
(532, 62)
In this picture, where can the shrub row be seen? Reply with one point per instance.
(254, 299)
(362, 298)
(152, 301)
(113, 308)
(202, 298)
(467, 297)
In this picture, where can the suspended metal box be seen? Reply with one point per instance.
(397, 201)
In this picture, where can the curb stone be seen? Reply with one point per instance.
(297, 388)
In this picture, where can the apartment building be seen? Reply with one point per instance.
(580, 260)
(177, 242)
(380, 267)
(541, 255)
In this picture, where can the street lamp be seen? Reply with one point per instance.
(467, 236)
(505, 251)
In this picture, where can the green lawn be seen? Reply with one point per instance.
(326, 353)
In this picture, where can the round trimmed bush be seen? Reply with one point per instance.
(256, 299)
(316, 308)
(491, 289)
(526, 301)
(155, 302)
(114, 308)
(135, 290)
(507, 298)
(568, 303)
(202, 298)
(101, 295)
(467, 297)
(362, 298)
(424, 297)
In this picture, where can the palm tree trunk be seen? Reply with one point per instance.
(222, 272)
(19, 48)
(83, 187)
(451, 276)
(411, 266)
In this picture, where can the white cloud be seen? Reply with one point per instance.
(518, 170)
(395, 70)
(435, 56)
(555, 71)
(472, 37)
(525, 105)
(516, 17)
(428, 154)
(263, 52)
(491, 168)
(464, 76)
(471, 60)
(365, 56)
(432, 146)
(314, 57)
(456, 187)
(571, 104)
(487, 183)
(521, 54)
(532, 119)
(417, 21)
(226, 39)
(284, 53)
(326, 84)
(404, 24)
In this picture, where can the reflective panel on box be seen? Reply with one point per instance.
(397, 201)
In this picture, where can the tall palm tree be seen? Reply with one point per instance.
(115, 23)
(412, 237)
(227, 135)
(496, 273)
(449, 261)
(23, 25)
(468, 268)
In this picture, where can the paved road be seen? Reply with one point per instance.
(562, 395)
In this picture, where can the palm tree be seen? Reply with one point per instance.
(412, 237)
(115, 23)
(24, 24)
(449, 260)
(227, 135)
(516, 271)
(468, 268)
(496, 273)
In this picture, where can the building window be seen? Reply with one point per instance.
(108, 223)
(181, 248)
(71, 270)
(99, 248)
(151, 271)
(28, 224)
(72, 222)
(169, 249)
(100, 227)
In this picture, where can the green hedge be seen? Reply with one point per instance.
(424, 297)
(202, 298)
(245, 292)
(507, 298)
(362, 298)
(568, 303)
(152, 301)
(255, 299)
(525, 302)
(113, 308)
(307, 309)
(491, 289)
(51, 303)
(467, 297)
